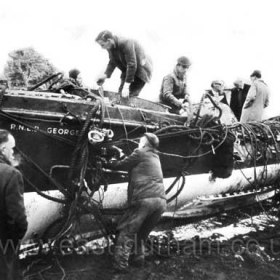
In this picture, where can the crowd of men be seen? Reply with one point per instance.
(247, 102)
(146, 194)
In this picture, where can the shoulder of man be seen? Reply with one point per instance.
(6, 168)
(9, 173)
(122, 41)
(169, 78)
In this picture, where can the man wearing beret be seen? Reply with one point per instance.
(257, 99)
(129, 56)
(174, 90)
(146, 201)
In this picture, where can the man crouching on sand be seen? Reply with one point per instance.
(146, 201)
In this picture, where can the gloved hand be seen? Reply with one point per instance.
(101, 79)
(125, 90)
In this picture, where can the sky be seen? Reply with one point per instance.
(225, 39)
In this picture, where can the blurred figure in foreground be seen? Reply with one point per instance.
(13, 222)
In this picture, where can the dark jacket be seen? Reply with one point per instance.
(172, 89)
(13, 222)
(130, 58)
(145, 174)
(238, 97)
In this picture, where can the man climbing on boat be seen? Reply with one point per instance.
(174, 90)
(146, 201)
(129, 56)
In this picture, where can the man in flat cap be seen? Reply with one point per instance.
(129, 56)
(257, 99)
(146, 201)
(238, 97)
(174, 90)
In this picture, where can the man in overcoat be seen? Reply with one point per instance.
(13, 222)
(257, 99)
(129, 56)
(146, 201)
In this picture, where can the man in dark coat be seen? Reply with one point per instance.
(238, 97)
(13, 222)
(129, 56)
(146, 201)
(174, 90)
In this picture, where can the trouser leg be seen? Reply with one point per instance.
(134, 228)
(136, 86)
(145, 229)
(123, 247)
(9, 266)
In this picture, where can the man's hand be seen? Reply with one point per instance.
(101, 79)
(125, 90)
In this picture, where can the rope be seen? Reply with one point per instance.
(55, 199)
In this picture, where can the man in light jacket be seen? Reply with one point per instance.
(257, 99)
(129, 56)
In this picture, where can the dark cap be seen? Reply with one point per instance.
(104, 35)
(183, 60)
(73, 73)
(257, 74)
(152, 139)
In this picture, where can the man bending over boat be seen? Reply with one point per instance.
(146, 201)
(13, 222)
(129, 56)
(174, 90)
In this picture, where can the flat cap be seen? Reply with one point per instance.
(183, 60)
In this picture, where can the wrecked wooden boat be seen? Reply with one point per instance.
(64, 140)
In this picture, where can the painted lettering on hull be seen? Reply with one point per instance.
(49, 130)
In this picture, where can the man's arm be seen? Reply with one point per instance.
(129, 162)
(17, 221)
(110, 68)
(251, 96)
